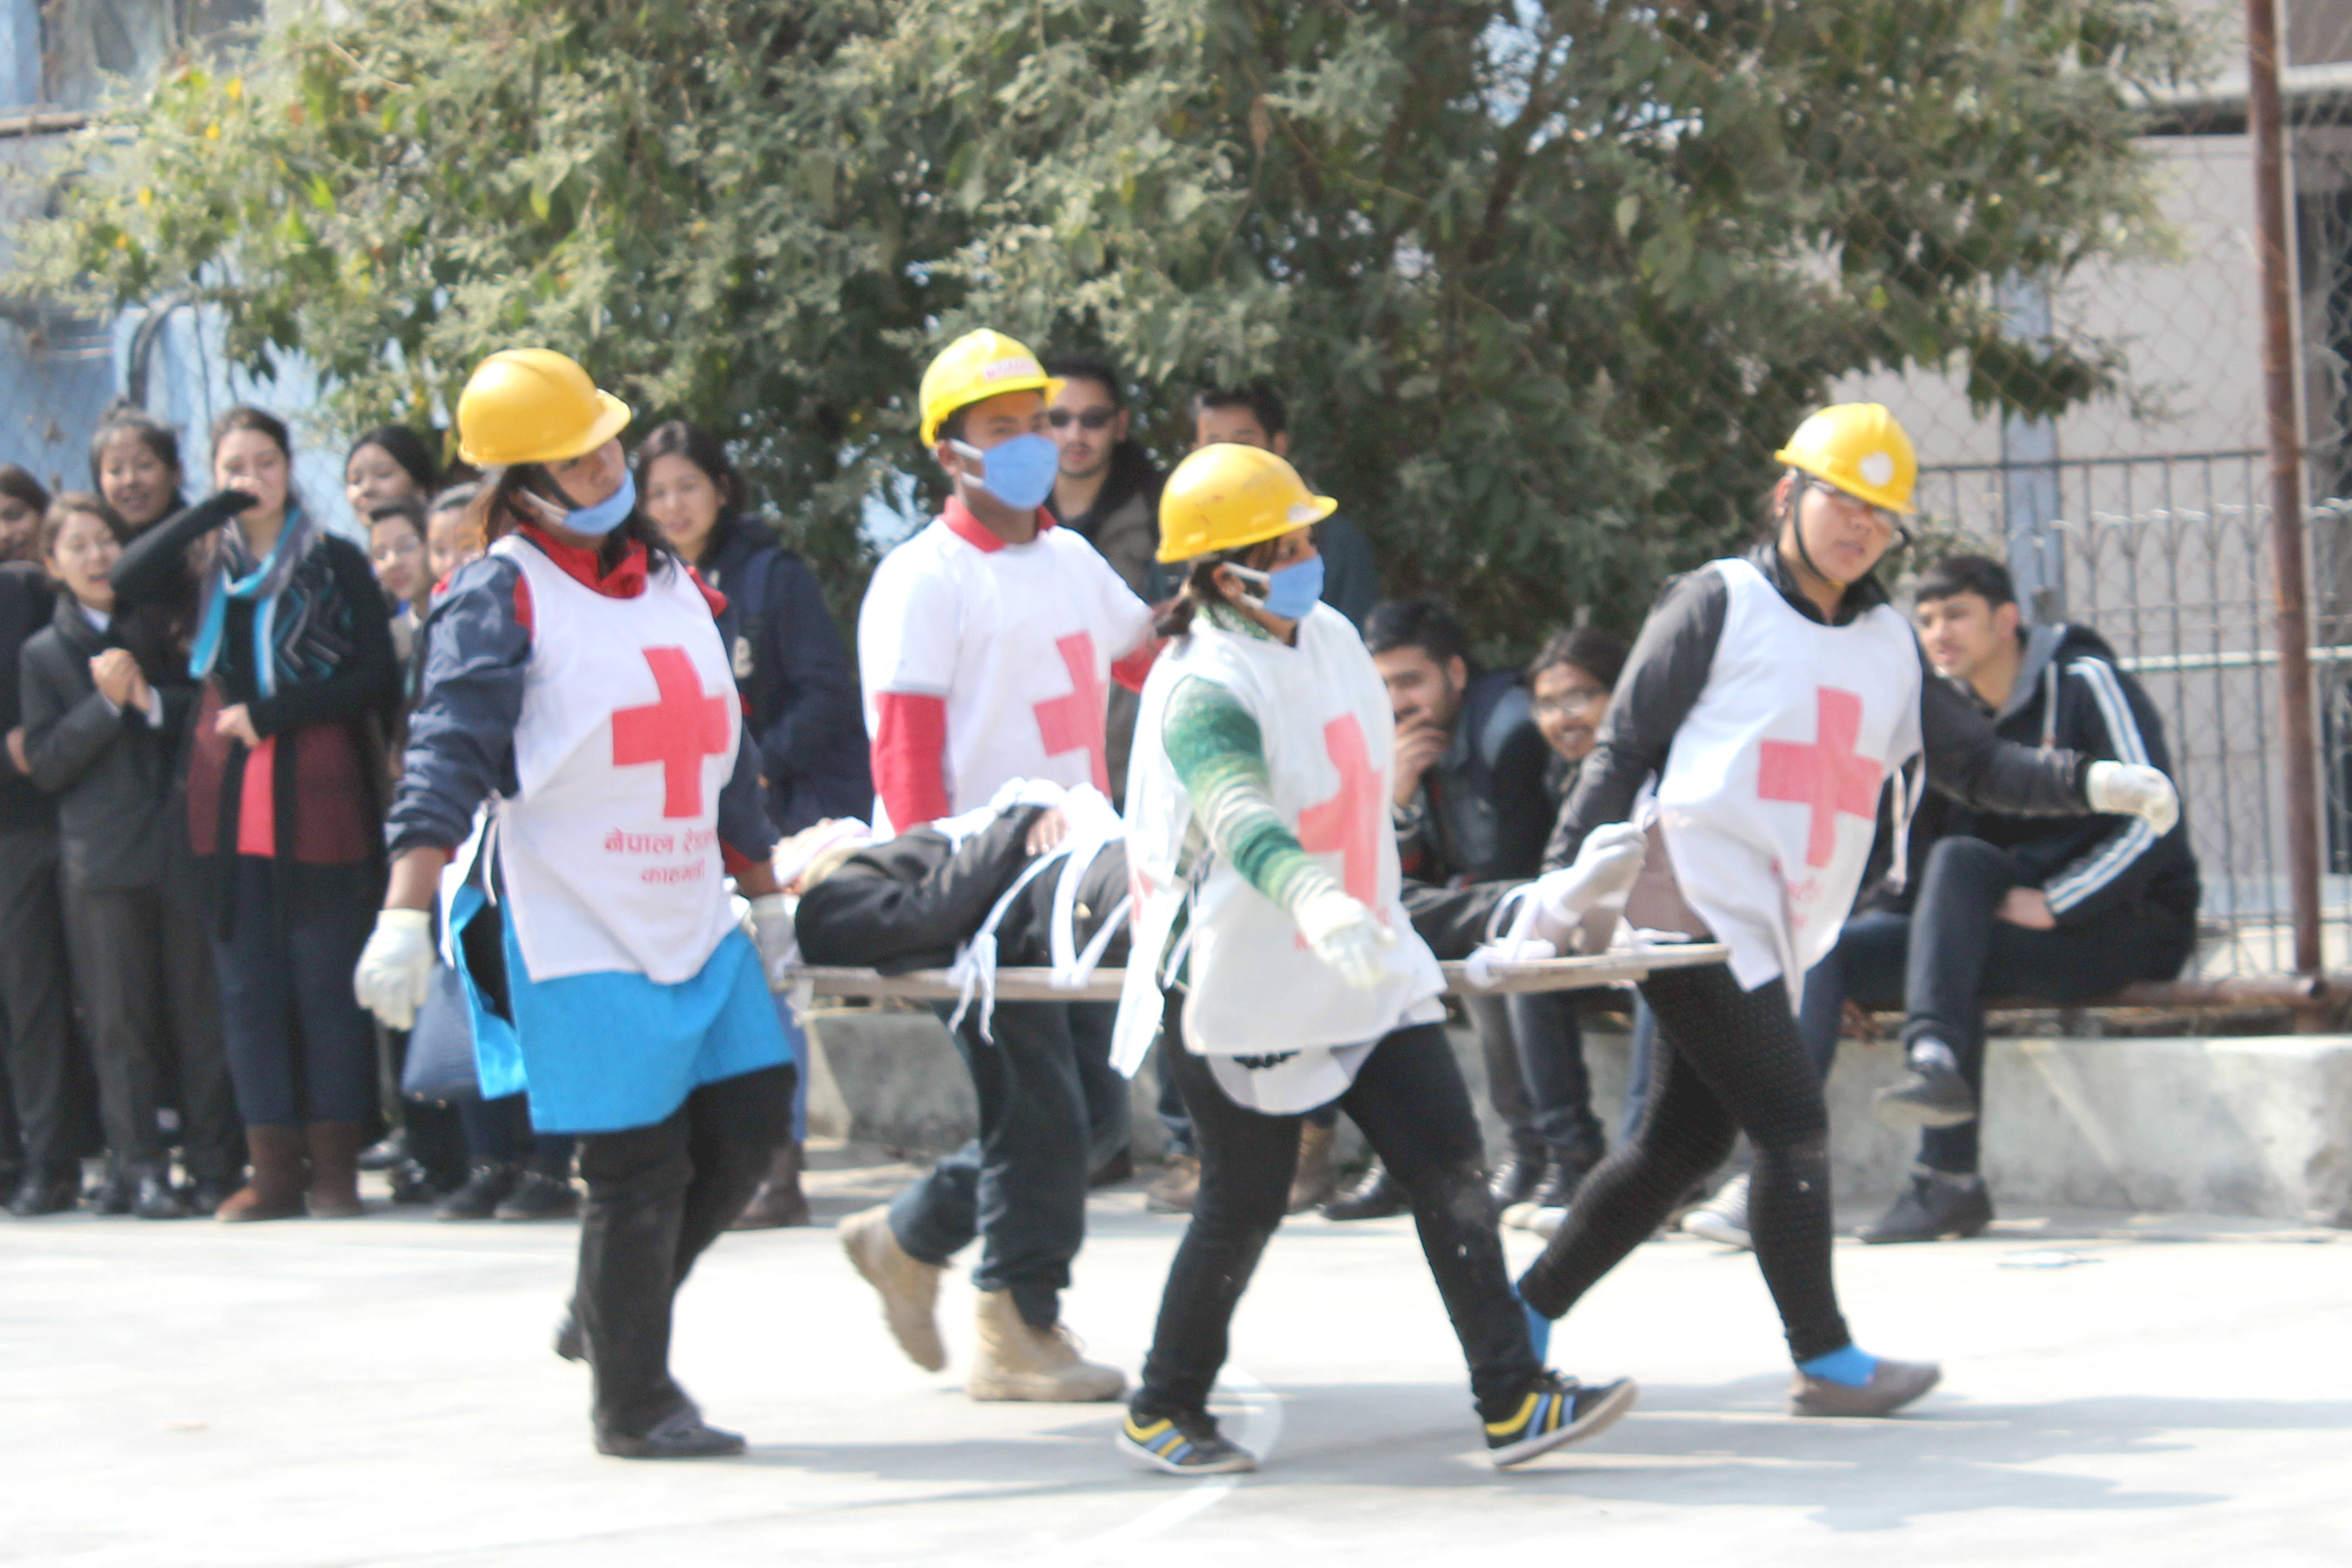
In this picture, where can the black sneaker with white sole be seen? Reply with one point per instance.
(1183, 1445)
(1557, 1410)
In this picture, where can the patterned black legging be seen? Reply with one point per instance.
(1732, 1064)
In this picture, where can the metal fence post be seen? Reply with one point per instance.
(2291, 620)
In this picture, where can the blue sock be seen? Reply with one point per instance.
(1539, 1327)
(1852, 1366)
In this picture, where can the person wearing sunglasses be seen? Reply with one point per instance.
(1769, 703)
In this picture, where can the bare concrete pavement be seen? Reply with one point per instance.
(380, 1391)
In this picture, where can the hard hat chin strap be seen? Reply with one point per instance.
(1793, 519)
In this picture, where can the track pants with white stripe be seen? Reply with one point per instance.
(1961, 953)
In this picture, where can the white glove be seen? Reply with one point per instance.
(396, 967)
(771, 932)
(2133, 789)
(1347, 936)
(1606, 866)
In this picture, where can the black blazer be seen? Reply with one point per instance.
(110, 770)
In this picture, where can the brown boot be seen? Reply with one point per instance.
(1014, 1361)
(1314, 1180)
(335, 1169)
(1179, 1185)
(779, 1201)
(274, 1191)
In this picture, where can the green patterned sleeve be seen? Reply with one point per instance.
(1219, 754)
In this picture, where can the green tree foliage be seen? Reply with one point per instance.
(1544, 283)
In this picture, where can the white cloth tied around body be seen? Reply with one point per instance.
(1093, 825)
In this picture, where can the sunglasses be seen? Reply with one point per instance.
(1092, 419)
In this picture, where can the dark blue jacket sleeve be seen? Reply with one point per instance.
(811, 730)
(744, 824)
(461, 736)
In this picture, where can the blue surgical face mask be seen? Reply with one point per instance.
(1292, 591)
(607, 514)
(1019, 472)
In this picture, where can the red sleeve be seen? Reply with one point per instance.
(735, 861)
(710, 596)
(1129, 672)
(910, 742)
(522, 604)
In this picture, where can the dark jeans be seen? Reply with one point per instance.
(1866, 967)
(300, 1049)
(1052, 1110)
(1729, 1062)
(657, 1196)
(1410, 1101)
(1549, 1052)
(145, 974)
(1961, 952)
(500, 1130)
(34, 999)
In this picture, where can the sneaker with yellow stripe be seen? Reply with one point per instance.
(1557, 1410)
(1187, 1444)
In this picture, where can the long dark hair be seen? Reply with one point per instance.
(497, 513)
(404, 446)
(154, 435)
(705, 451)
(1174, 618)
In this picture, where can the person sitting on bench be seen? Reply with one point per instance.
(2058, 908)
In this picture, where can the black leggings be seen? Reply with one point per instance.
(1412, 1106)
(1732, 1062)
(659, 1197)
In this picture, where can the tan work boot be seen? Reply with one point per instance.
(909, 1286)
(1314, 1180)
(1017, 1361)
(1179, 1185)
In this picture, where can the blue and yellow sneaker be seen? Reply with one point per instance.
(1557, 1410)
(1186, 1445)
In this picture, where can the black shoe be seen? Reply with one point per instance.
(1557, 1410)
(1516, 1179)
(680, 1435)
(1558, 1188)
(410, 1185)
(154, 1199)
(484, 1191)
(1930, 1095)
(205, 1195)
(39, 1194)
(539, 1194)
(1937, 1204)
(1119, 1167)
(570, 1342)
(113, 1194)
(1376, 1196)
(386, 1153)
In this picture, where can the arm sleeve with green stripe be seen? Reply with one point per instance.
(1220, 754)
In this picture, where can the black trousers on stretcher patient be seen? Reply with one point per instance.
(1052, 1110)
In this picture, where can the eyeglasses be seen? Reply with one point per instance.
(393, 550)
(1883, 517)
(1568, 701)
(1092, 418)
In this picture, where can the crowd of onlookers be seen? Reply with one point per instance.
(203, 707)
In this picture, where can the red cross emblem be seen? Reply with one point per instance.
(1826, 776)
(677, 731)
(1075, 721)
(1352, 820)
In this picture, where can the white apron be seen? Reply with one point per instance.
(1256, 988)
(609, 846)
(1769, 796)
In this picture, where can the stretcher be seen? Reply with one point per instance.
(1615, 967)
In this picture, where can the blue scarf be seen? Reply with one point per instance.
(297, 636)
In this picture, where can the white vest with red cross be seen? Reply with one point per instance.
(1256, 987)
(1769, 796)
(609, 846)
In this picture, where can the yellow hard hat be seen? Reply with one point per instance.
(1859, 449)
(975, 367)
(533, 405)
(1226, 495)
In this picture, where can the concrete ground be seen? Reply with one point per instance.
(380, 1391)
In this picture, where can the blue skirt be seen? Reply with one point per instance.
(603, 1052)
